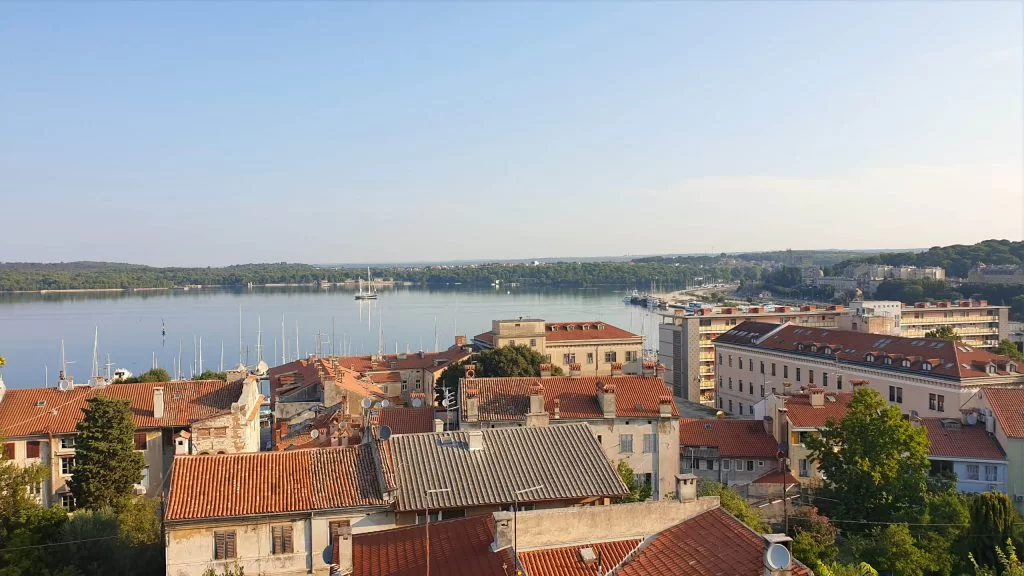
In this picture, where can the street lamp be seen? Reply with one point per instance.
(434, 491)
(515, 521)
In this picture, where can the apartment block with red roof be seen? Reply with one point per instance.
(186, 417)
(732, 452)
(925, 377)
(594, 345)
(1001, 412)
(633, 416)
(964, 448)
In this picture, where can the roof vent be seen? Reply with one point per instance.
(588, 557)
(707, 427)
(40, 403)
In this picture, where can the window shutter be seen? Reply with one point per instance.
(275, 544)
(218, 545)
(140, 440)
(287, 538)
(33, 449)
(229, 547)
(9, 450)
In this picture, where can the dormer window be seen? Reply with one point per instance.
(887, 361)
(814, 348)
(927, 366)
(870, 358)
(905, 364)
(828, 350)
(1011, 367)
(991, 368)
(800, 347)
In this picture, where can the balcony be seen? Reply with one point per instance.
(705, 371)
(908, 320)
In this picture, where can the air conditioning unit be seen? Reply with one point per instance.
(1018, 498)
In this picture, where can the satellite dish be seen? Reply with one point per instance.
(64, 385)
(777, 557)
(416, 402)
(384, 403)
(385, 432)
(366, 403)
(314, 433)
(444, 402)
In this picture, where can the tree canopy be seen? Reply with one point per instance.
(107, 467)
(153, 375)
(1007, 348)
(733, 503)
(638, 491)
(943, 333)
(211, 375)
(510, 360)
(874, 462)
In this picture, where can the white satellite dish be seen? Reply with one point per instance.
(65, 385)
(444, 402)
(314, 433)
(777, 557)
(366, 403)
(384, 403)
(417, 402)
(385, 432)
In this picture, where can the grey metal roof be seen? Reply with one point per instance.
(565, 460)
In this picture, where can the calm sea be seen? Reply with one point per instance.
(130, 325)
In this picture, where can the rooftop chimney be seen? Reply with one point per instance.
(575, 370)
(665, 406)
(342, 537)
(438, 425)
(158, 402)
(686, 487)
(659, 370)
(817, 395)
(537, 416)
(504, 527)
(545, 370)
(616, 368)
(650, 368)
(558, 408)
(475, 440)
(606, 398)
(472, 405)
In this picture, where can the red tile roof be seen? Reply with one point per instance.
(773, 477)
(406, 420)
(36, 411)
(956, 440)
(509, 398)
(566, 561)
(733, 438)
(1008, 406)
(459, 547)
(486, 338)
(951, 360)
(230, 485)
(591, 330)
(713, 543)
(803, 415)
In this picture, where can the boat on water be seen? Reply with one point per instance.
(370, 293)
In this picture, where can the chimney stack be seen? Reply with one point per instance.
(342, 537)
(686, 488)
(545, 370)
(504, 528)
(659, 370)
(817, 395)
(558, 407)
(537, 416)
(575, 370)
(665, 406)
(475, 440)
(158, 402)
(472, 406)
(438, 425)
(649, 368)
(606, 398)
(616, 368)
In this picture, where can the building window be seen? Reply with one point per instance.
(991, 474)
(798, 374)
(610, 357)
(224, 545)
(140, 441)
(762, 367)
(9, 451)
(972, 472)
(67, 501)
(35, 488)
(762, 390)
(220, 432)
(568, 358)
(810, 376)
(750, 409)
(625, 443)
(751, 365)
(750, 465)
(941, 403)
(590, 357)
(773, 368)
(67, 442)
(730, 360)
(804, 468)
(32, 449)
(719, 381)
(730, 405)
(709, 464)
(511, 342)
(719, 402)
(839, 381)
(785, 371)
(741, 408)
(67, 464)
(931, 401)
(632, 356)
(533, 342)
(750, 385)
(760, 463)
(741, 362)
(719, 358)
(144, 483)
(730, 383)
(281, 540)
(650, 443)
(725, 464)
(896, 394)
(686, 464)
(824, 379)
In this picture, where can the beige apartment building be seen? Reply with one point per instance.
(594, 345)
(188, 417)
(686, 342)
(925, 377)
(633, 417)
(979, 324)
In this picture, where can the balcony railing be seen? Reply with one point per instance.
(938, 320)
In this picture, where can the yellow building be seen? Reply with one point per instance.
(594, 345)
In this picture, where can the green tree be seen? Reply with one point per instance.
(3, 361)
(208, 375)
(945, 521)
(891, 549)
(107, 467)
(733, 503)
(875, 462)
(510, 360)
(993, 520)
(234, 570)
(814, 539)
(638, 491)
(1011, 564)
(943, 333)
(154, 375)
(862, 569)
(1007, 348)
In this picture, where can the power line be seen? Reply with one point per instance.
(60, 543)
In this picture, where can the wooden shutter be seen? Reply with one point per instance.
(224, 545)
(229, 547)
(276, 544)
(140, 440)
(32, 448)
(9, 450)
(286, 533)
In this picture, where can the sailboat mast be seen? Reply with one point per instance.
(200, 371)
(221, 356)
(296, 339)
(259, 338)
(436, 349)
(240, 346)
(95, 351)
(284, 343)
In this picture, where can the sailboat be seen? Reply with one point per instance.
(370, 294)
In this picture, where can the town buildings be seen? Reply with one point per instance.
(294, 512)
(967, 451)
(634, 418)
(731, 452)
(999, 410)
(684, 536)
(594, 345)
(186, 417)
(978, 323)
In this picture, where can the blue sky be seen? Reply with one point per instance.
(177, 133)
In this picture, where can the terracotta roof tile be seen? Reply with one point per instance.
(509, 398)
(774, 477)
(733, 438)
(232, 485)
(961, 440)
(406, 420)
(35, 411)
(459, 547)
(566, 561)
(486, 338)
(590, 330)
(711, 544)
(803, 415)
(1008, 406)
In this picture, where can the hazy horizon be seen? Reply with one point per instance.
(195, 134)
